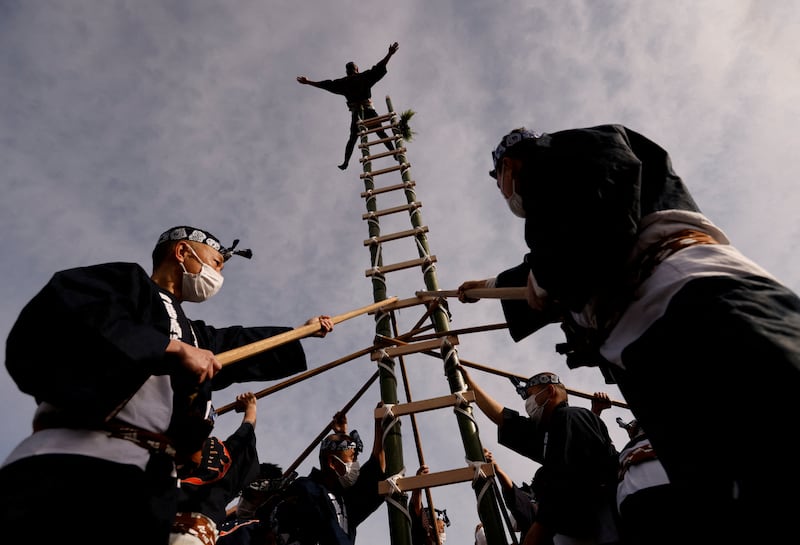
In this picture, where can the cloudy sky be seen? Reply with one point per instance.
(122, 118)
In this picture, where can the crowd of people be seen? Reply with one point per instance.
(644, 286)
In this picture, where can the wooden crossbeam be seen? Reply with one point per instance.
(373, 173)
(405, 185)
(413, 348)
(386, 153)
(430, 480)
(393, 210)
(379, 141)
(423, 405)
(395, 236)
(376, 120)
(376, 128)
(400, 266)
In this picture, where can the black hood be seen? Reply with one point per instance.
(586, 191)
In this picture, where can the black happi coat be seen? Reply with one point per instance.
(578, 473)
(93, 335)
(705, 320)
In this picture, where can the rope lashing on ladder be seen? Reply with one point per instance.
(423, 252)
(392, 482)
(381, 314)
(478, 476)
(448, 350)
(415, 206)
(462, 406)
(387, 415)
(377, 258)
(382, 363)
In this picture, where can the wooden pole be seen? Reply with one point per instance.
(242, 352)
(492, 370)
(329, 427)
(300, 377)
(576, 393)
(479, 293)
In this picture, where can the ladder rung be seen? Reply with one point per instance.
(412, 348)
(405, 185)
(423, 405)
(386, 153)
(400, 266)
(380, 141)
(395, 209)
(384, 170)
(395, 236)
(376, 129)
(431, 480)
(380, 119)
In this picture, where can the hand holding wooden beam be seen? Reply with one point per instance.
(478, 293)
(242, 352)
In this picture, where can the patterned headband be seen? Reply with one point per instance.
(184, 232)
(542, 378)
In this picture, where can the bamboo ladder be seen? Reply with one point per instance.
(390, 348)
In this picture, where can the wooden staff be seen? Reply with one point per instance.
(242, 352)
(506, 374)
(492, 370)
(479, 293)
(329, 427)
(300, 377)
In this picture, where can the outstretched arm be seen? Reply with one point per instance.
(392, 50)
(305, 81)
(486, 403)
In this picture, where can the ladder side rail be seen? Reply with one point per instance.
(488, 510)
(397, 508)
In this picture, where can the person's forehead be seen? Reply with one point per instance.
(204, 250)
(348, 455)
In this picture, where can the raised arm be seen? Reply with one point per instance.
(392, 50)
(490, 407)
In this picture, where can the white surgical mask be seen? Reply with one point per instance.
(514, 201)
(515, 205)
(442, 538)
(197, 287)
(533, 409)
(480, 537)
(351, 472)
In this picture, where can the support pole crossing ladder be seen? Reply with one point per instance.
(488, 510)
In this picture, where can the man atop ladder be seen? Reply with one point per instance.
(357, 90)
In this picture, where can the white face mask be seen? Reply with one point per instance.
(533, 409)
(505, 176)
(480, 537)
(351, 472)
(197, 287)
(515, 205)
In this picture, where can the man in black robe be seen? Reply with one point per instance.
(575, 485)
(648, 289)
(357, 90)
(122, 379)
